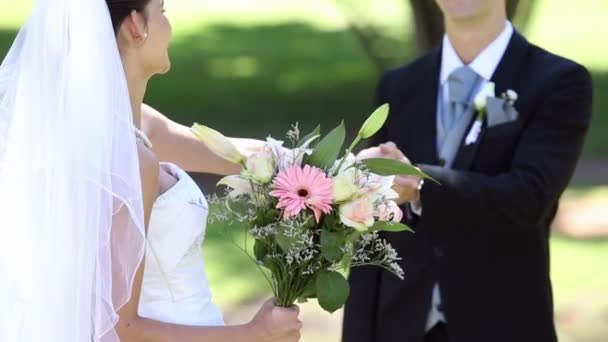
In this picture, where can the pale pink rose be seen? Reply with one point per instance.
(358, 214)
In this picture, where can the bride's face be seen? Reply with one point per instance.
(154, 52)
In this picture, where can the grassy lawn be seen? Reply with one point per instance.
(576, 270)
(580, 288)
(579, 283)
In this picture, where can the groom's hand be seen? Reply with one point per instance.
(387, 150)
(276, 324)
(408, 187)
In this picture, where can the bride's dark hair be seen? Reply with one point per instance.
(121, 9)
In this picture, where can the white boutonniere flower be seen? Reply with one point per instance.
(481, 107)
(481, 99)
(510, 96)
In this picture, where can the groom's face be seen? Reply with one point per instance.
(459, 10)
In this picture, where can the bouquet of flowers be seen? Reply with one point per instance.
(313, 210)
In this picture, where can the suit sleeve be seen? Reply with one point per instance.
(543, 163)
(360, 311)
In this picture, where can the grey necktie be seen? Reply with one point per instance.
(453, 118)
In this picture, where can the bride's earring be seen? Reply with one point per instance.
(143, 37)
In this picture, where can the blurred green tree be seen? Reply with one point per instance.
(428, 27)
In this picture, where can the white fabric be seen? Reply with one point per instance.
(71, 211)
(485, 65)
(175, 287)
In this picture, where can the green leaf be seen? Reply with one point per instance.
(353, 236)
(315, 132)
(310, 291)
(391, 167)
(375, 121)
(394, 227)
(260, 250)
(331, 245)
(272, 215)
(328, 149)
(332, 290)
(329, 221)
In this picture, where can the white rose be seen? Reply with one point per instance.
(481, 99)
(345, 185)
(260, 168)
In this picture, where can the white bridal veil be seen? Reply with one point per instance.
(71, 213)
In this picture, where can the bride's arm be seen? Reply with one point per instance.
(269, 325)
(177, 144)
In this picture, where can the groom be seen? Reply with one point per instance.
(477, 268)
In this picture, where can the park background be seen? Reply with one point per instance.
(252, 68)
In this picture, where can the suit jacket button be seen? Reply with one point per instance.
(442, 162)
(438, 252)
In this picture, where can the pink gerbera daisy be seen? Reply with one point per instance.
(299, 188)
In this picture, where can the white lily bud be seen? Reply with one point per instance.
(218, 143)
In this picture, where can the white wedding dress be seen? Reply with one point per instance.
(175, 286)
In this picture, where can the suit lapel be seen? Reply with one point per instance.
(422, 110)
(505, 77)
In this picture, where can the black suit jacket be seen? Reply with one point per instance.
(483, 233)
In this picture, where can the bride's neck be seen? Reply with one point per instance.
(137, 89)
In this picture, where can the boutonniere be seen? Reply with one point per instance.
(495, 110)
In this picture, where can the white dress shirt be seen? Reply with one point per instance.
(484, 65)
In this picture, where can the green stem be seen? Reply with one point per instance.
(253, 260)
(350, 148)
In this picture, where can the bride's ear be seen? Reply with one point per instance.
(135, 27)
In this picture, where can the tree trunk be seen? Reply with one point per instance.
(512, 8)
(520, 12)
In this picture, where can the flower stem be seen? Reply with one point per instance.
(350, 148)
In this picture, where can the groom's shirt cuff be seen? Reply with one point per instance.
(416, 207)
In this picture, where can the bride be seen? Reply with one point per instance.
(174, 285)
(81, 180)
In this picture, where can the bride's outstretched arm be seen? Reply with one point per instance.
(175, 143)
(271, 324)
